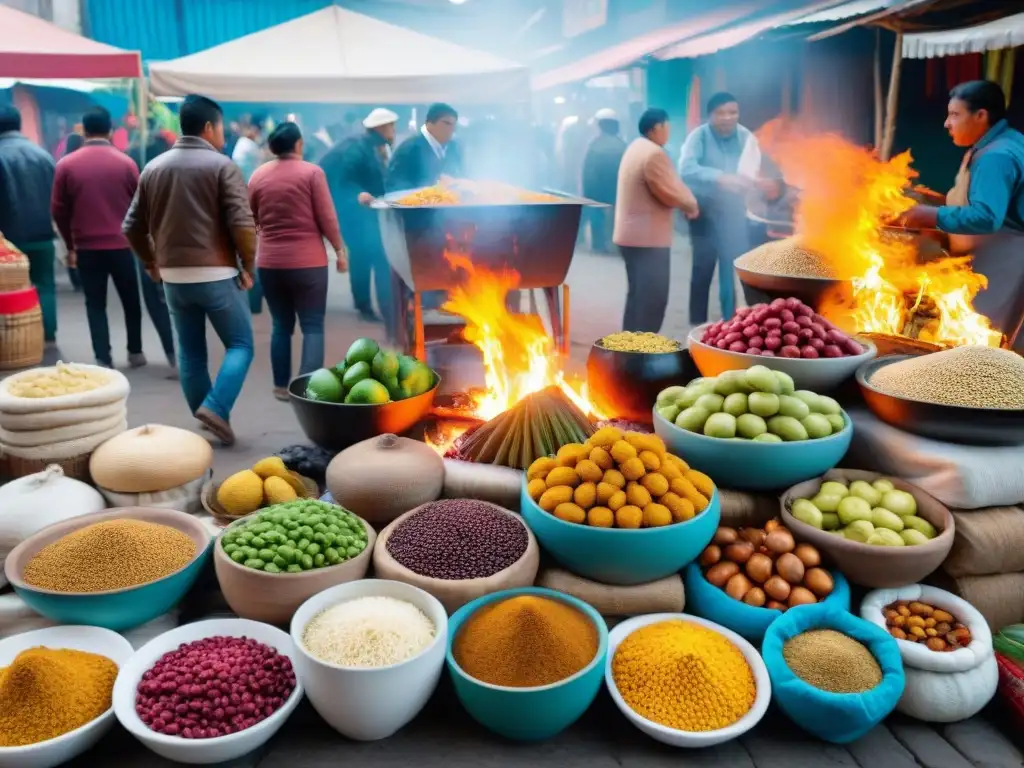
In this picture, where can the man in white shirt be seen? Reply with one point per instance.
(248, 154)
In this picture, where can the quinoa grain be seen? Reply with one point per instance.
(832, 661)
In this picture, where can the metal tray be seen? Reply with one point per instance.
(950, 424)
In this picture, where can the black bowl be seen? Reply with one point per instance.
(336, 426)
(624, 385)
(948, 423)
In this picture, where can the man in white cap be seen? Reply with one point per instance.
(356, 169)
(601, 175)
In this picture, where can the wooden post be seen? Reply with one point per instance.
(879, 102)
(893, 98)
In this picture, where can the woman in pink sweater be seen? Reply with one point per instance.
(294, 215)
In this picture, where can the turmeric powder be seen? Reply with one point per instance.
(47, 692)
(525, 641)
(684, 676)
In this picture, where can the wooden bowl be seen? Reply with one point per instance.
(274, 597)
(208, 497)
(870, 565)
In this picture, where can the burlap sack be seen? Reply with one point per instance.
(747, 509)
(43, 437)
(455, 594)
(662, 596)
(987, 541)
(65, 417)
(999, 598)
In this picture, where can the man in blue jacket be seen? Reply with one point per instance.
(26, 183)
(423, 158)
(984, 212)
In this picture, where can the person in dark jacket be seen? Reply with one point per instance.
(601, 176)
(356, 170)
(423, 158)
(26, 183)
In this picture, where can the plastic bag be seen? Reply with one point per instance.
(710, 602)
(833, 717)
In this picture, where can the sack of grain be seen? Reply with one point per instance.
(64, 417)
(741, 509)
(454, 594)
(960, 476)
(987, 541)
(662, 596)
(44, 437)
(111, 386)
(999, 597)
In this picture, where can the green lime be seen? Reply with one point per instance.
(361, 351)
(355, 374)
(368, 392)
(324, 386)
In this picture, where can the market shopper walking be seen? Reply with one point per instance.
(648, 192)
(600, 176)
(292, 208)
(26, 183)
(191, 226)
(721, 162)
(92, 190)
(356, 170)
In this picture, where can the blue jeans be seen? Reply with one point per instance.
(227, 307)
(292, 293)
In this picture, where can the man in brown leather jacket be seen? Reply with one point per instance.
(191, 227)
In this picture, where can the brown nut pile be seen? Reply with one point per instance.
(765, 567)
(919, 622)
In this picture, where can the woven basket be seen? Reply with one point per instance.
(208, 497)
(75, 467)
(14, 275)
(21, 339)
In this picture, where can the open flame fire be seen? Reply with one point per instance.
(519, 356)
(848, 194)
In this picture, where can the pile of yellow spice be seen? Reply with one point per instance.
(683, 676)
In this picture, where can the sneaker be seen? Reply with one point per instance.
(281, 393)
(136, 360)
(218, 426)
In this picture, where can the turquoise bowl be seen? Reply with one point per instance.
(117, 609)
(617, 555)
(706, 600)
(528, 714)
(745, 465)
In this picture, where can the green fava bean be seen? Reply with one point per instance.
(229, 548)
(259, 542)
(238, 555)
(352, 551)
(271, 568)
(288, 553)
(255, 563)
(318, 561)
(306, 561)
(313, 549)
(280, 562)
(332, 556)
(294, 568)
(303, 544)
(267, 555)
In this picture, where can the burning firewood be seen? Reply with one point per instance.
(538, 425)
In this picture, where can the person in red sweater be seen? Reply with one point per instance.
(92, 190)
(294, 214)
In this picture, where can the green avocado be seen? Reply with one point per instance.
(414, 378)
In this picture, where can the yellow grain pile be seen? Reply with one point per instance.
(789, 258)
(970, 376)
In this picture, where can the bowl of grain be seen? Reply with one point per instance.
(969, 394)
(833, 674)
(116, 569)
(527, 663)
(724, 693)
(783, 268)
(75, 686)
(627, 370)
(369, 654)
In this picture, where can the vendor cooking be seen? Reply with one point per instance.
(984, 212)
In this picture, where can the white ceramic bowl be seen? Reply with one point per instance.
(820, 375)
(370, 704)
(201, 751)
(691, 739)
(51, 752)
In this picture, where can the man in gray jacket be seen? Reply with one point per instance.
(191, 226)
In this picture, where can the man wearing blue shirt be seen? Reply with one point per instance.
(984, 212)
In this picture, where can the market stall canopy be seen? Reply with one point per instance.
(82, 86)
(1002, 33)
(337, 56)
(31, 47)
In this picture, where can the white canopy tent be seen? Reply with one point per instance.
(337, 56)
(1007, 32)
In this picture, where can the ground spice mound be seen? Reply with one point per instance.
(48, 692)
(787, 257)
(832, 661)
(110, 555)
(458, 539)
(969, 376)
(525, 642)
(683, 676)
